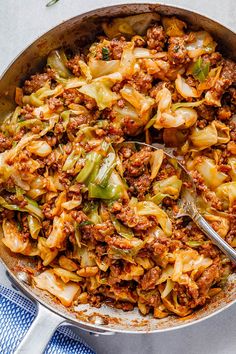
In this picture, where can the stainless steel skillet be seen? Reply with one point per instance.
(82, 29)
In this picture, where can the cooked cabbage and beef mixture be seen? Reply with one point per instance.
(98, 214)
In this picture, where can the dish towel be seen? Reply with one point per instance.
(16, 315)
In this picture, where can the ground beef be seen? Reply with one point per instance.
(5, 143)
(79, 216)
(187, 294)
(75, 122)
(55, 104)
(37, 81)
(21, 202)
(116, 47)
(138, 41)
(71, 96)
(139, 185)
(229, 71)
(227, 78)
(232, 126)
(232, 217)
(25, 227)
(207, 194)
(206, 112)
(27, 112)
(232, 93)
(130, 219)
(73, 65)
(150, 278)
(209, 250)
(231, 147)
(88, 102)
(156, 38)
(142, 82)
(224, 113)
(213, 58)
(208, 277)
(177, 51)
(136, 164)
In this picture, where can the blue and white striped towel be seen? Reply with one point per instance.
(16, 315)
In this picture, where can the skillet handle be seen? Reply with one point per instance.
(42, 329)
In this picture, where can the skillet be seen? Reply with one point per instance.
(105, 320)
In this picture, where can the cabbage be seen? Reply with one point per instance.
(173, 26)
(66, 275)
(208, 170)
(232, 164)
(145, 262)
(48, 281)
(200, 70)
(72, 159)
(166, 274)
(86, 258)
(171, 304)
(67, 263)
(204, 138)
(100, 90)
(40, 148)
(46, 254)
(72, 204)
(220, 224)
(121, 229)
(184, 89)
(170, 187)
(168, 288)
(182, 117)
(12, 238)
(223, 132)
(130, 25)
(34, 226)
(140, 102)
(134, 271)
(33, 208)
(57, 60)
(74, 82)
(186, 104)
(189, 115)
(85, 70)
(188, 260)
(102, 67)
(156, 162)
(226, 192)
(203, 43)
(121, 113)
(37, 98)
(150, 208)
(212, 100)
(127, 62)
(57, 236)
(141, 53)
(214, 134)
(211, 79)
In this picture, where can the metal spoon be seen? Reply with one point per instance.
(188, 205)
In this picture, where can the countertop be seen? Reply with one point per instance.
(21, 22)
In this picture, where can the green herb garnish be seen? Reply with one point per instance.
(105, 53)
(200, 70)
(86, 223)
(52, 2)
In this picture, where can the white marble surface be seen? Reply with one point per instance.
(21, 22)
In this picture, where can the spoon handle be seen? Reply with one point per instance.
(214, 237)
